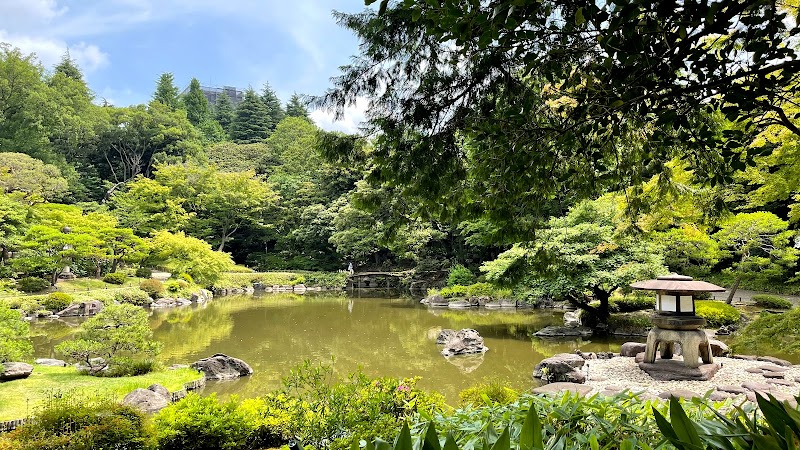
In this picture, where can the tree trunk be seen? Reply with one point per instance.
(735, 286)
(54, 277)
(602, 296)
(221, 244)
(115, 265)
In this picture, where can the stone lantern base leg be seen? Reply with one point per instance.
(694, 345)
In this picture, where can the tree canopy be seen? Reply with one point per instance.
(507, 107)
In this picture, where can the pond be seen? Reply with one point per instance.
(384, 337)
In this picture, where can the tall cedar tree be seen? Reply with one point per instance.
(196, 103)
(224, 112)
(296, 107)
(166, 91)
(69, 68)
(251, 122)
(273, 105)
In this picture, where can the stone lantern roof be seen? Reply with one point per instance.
(676, 283)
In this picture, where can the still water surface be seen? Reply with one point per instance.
(384, 337)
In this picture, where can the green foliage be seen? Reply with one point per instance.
(166, 92)
(251, 122)
(273, 106)
(32, 284)
(769, 334)
(717, 313)
(690, 250)
(144, 272)
(35, 179)
(133, 296)
(580, 256)
(632, 302)
(67, 423)
(186, 277)
(117, 334)
(115, 278)
(195, 103)
(154, 288)
(329, 415)
(56, 301)
(779, 428)
(296, 107)
(14, 342)
(453, 291)
(203, 422)
(473, 290)
(771, 301)
(545, 422)
(327, 280)
(179, 253)
(487, 394)
(176, 287)
(460, 275)
(629, 323)
(224, 112)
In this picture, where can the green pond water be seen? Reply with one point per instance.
(384, 337)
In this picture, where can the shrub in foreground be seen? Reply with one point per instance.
(68, 424)
(487, 394)
(771, 301)
(717, 313)
(15, 344)
(198, 423)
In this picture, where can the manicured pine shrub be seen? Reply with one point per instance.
(772, 301)
(57, 301)
(32, 284)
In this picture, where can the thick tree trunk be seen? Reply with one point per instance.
(221, 244)
(735, 286)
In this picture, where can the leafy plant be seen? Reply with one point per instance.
(186, 277)
(133, 296)
(144, 272)
(632, 302)
(203, 422)
(460, 275)
(487, 394)
(769, 333)
(717, 313)
(15, 344)
(115, 278)
(57, 301)
(68, 423)
(154, 288)
(116, 331)
(32, 284)
(772, 301)
(778, 429)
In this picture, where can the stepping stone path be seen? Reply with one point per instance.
(778, 361)
(781, 382)
(774, 375)
(557, 388)
(679, 393)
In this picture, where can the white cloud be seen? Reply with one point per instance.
(353, 117)
(50, 50)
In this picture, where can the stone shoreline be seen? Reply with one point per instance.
(623, 373)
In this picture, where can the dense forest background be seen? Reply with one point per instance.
(106, 186)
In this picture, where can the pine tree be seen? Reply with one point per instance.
(166, 91)
(251, 122)
(273, 105)
(69, 68)
(224, 112)
(195, 103)
(296, 107)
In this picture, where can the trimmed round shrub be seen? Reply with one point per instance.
(144, 272)
(32, 284)
(772, 301)
(460, 275)
(56, 301)
(115, 278)
(717, 313)
(136, 297)
(154, 288)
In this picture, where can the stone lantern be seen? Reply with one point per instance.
(675, 319)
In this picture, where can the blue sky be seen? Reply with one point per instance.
(123, 46)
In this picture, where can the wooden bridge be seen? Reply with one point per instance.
(375, 280)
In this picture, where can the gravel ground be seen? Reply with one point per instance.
(623, 373)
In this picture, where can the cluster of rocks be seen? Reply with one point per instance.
(739, 376)
(199, 297)
(437, 301)
(572, 328)
(150, 400)
(261, 287)
(463, 342)
(88, 308)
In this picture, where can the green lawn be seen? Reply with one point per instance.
(20, 398)
(88, 284)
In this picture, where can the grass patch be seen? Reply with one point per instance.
(19, 398)
(88, 284)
